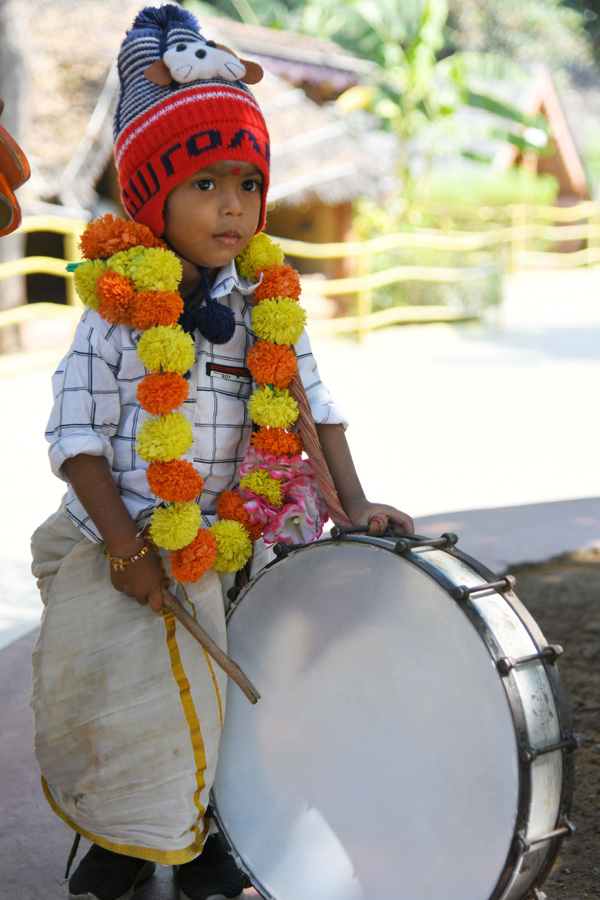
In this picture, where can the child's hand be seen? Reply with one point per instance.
(361, 511)
(143, 580)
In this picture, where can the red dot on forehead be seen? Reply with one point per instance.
(236, 171)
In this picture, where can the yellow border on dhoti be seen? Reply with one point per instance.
(206, 656)
(164, 857)
(191, 716)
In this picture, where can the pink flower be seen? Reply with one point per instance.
(306, 490)
(258, 508)
(295, 524)
(280, 467)
(302, 518)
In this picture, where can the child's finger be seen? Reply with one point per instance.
(404, 522)
(155, 599)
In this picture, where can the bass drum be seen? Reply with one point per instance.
(412, 740)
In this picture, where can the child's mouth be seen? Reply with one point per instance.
(229, 238)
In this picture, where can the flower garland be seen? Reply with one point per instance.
(130, 277)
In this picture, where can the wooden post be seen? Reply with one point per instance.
(365, 295)
(519, 237)
(72, 254)
(593, 243)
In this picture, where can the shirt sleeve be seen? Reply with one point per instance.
(86, 409)
(325, 410)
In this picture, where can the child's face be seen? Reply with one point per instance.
(212, 216)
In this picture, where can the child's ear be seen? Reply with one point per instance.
(254, 71)
(158, 73)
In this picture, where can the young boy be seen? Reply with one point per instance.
(128, 711)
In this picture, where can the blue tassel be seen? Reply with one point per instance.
(162, 17)
(215, 323)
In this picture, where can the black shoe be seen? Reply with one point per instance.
(211, 876)
(104, 875)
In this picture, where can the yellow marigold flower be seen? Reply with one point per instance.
(164, 438)
(85, 277)
(274, 407)
(156, 270)
(166, 348)
(122, 261)
(234, 545)
(175, 526)
(280, 320)
(261, 251)
(261, 482)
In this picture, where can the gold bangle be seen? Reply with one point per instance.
(117, 563)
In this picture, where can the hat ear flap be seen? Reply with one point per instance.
(158, 73)
(254, 72)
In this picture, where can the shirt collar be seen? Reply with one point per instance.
(227, 279)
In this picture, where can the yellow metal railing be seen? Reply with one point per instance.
(48, 265)
(507, 234)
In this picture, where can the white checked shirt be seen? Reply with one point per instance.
(96, 411)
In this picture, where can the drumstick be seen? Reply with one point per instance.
(228, 665)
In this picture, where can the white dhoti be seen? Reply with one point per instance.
(128, 707)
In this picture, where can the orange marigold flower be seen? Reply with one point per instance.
(274, 364)
(116, 295)
(162, 392)
(278, 281)
(191, 562)
(156, 308)
(230, 506)
(175, 481)
(110, 234)
(277, 441)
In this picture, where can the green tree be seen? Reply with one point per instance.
(524, 30)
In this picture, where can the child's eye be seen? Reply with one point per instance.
(251, 185)
(204, 184)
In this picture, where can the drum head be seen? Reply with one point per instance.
(381, 761)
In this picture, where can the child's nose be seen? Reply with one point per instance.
(232, 202)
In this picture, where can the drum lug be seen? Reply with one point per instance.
(233, 593)
(523, 845)
(570, 742)
(550, 653)
(503, 585)
(281, 550)
(448, 539)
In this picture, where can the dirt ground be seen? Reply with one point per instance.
(563, 595)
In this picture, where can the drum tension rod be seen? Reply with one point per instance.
(549, 653)
(448, 539)
(570, 742)
(504, 584)
(340, 531)
(522, 844)
(281, 550)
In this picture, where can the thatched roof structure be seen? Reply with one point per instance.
(74, 88)
(300, 59)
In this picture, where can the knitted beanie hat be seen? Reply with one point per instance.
(184, 105)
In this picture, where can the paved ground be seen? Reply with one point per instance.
(486, 429)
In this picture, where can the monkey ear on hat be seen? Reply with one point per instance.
(158, 73)
(254, 71)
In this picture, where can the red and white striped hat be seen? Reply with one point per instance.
(182, 107)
